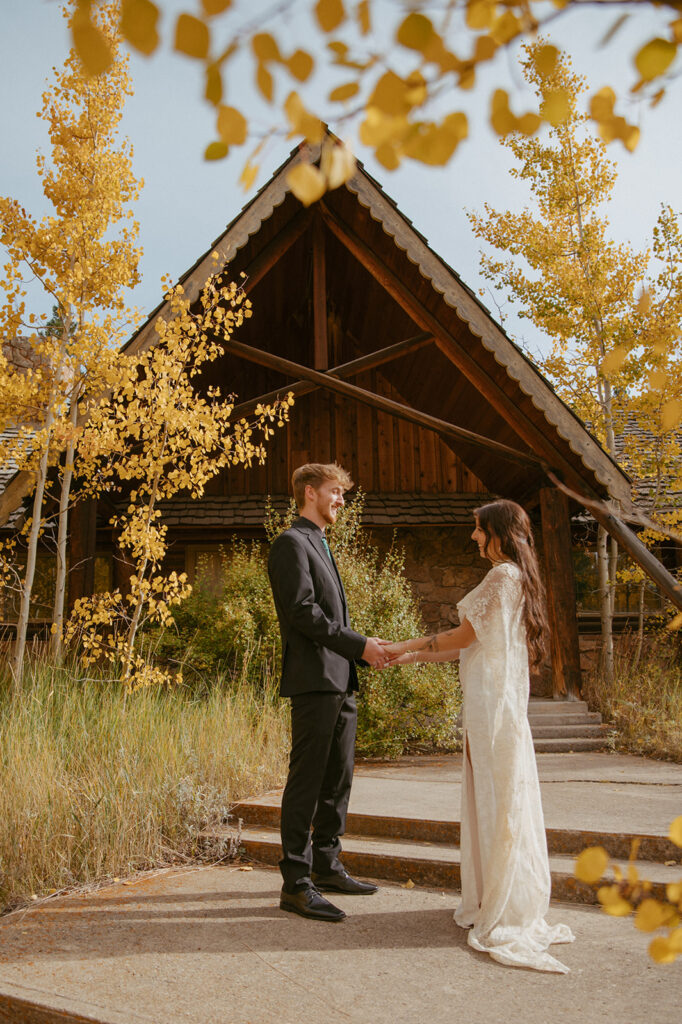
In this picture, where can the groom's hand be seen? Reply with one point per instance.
(374, 653)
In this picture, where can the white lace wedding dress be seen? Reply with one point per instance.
(505, 868)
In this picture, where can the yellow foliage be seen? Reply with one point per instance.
(676, 831)
(301, 121)
(591, 864)
(655, 57)
(415, 32)
(329, 14)
(232, 126)
(344, 92)
(138, 24)
(555, 107)
(192, 36)
(613, 903)
(307, 183)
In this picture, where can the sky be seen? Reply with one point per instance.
(187, 202)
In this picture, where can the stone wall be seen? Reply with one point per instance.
(441, 562)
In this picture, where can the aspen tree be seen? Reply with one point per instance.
(610, 325)
(83, 255)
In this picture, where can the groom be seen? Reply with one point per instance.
(319, 651)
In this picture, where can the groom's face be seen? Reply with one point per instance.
(328, 499)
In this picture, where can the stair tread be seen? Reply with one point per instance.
(446, 854)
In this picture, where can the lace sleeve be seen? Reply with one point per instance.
(488, 605)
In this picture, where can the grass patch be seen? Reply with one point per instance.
(95, 785)
(644, 702)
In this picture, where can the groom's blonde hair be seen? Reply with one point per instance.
(315, 474)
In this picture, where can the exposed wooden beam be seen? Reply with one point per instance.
(369, 362)
(275, 249)
(405, 412)
(640, 553)
(503, 404)
(320, 335)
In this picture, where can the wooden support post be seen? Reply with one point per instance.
(563, 620)
(321, 341)
(82, 543)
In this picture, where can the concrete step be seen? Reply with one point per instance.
(553, 707)
(438, 865)
(559, 840)
(549, 732)
(591, 718)
(570, 744)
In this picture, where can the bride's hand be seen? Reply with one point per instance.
(402, 659)
(394, 651)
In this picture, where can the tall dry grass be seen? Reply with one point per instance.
(644, 703)
(93, 785)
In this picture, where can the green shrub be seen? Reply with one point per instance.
(233, 624)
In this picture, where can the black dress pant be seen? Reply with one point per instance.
(318, 786)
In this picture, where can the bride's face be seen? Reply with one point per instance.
(494, 552)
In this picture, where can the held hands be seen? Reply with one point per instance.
(383, 654)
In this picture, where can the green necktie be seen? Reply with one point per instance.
(326, 547)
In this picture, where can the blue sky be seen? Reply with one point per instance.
(187, 202)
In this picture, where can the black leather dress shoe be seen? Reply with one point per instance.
(342, 882)
(310, 903)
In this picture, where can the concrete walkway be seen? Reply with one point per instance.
(210, 945)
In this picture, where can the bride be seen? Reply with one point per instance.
(504, 863)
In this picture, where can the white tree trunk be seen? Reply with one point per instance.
(17, 663)
(56, 643)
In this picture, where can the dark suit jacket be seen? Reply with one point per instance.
(319, 648)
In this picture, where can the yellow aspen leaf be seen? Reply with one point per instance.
(612, 361)
(362, 13)
(555, 107)
(602, 104)
(676, 29)
(307, 183)
(613, 903)
(415, 32)
(265, 47)
(591, 864)
(651, 915)
(671, 414)
(216, 151)
(505, 28)
(138, 24)
(546, 58)
(329, 14)
(528, 123)
(232, 126)
(481, 13)
(409, 884)
(676, 831)
(389, 94)
(644, 302)
(264, 82)
(302, 122)
(337, 163)
(191, 36)
(655, 58)
(300, 65)
(387, 156)
(630, 136)
(675, 941)
(212, 7)
(378, 128)
(344, 92)
(213, 90)
(657, 97)
(661, 951)
(674, 891)
(485, 49)
(91, 45)
(467, 77)
(501, 118)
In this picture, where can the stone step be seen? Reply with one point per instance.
(552, 707)
(563, 718)
(259, 814)
(548, 732)
(568, 744)
(437, 865)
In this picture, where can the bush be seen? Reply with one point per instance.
(224, 626)
(643, 704)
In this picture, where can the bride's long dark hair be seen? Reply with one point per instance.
(510, 524)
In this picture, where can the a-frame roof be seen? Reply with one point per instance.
(473, 375)
(385, 284)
